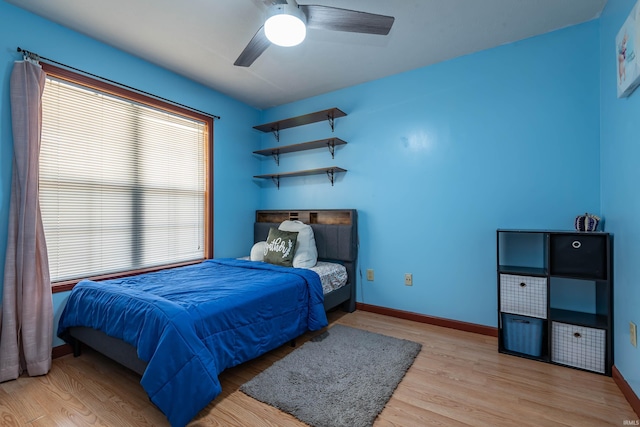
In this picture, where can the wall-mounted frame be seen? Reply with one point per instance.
(627, 54)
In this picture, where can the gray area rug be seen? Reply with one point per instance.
(343, 377)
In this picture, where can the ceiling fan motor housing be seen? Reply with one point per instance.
(285, 25)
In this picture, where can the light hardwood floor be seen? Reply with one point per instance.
(458, 379)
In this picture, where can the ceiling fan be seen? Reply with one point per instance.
(287, 22)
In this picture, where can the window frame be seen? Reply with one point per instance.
(112, 89)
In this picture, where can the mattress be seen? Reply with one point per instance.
(332, 275)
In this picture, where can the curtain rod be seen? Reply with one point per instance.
(36, 57)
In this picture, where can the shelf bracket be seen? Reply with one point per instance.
(332, 147)
(331, 121)
(276, 133)
(276, 156)
(330, 175)
(276, 181)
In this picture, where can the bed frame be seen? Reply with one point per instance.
(336, 235)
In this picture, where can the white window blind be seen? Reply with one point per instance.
(122, 185)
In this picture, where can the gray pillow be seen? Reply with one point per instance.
(280, 247)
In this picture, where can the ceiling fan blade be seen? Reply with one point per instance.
(333, 18)
(258, 44)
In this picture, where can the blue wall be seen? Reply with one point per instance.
(620, 170)
(440, 157)
(235, 196)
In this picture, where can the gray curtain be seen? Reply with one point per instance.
(27, 309)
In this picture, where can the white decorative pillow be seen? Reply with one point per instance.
(306, 255)
(257, 251)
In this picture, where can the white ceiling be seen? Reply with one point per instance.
(201, 39)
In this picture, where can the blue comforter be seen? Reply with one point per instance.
(191, 323)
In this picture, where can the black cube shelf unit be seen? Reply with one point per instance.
(555, 297)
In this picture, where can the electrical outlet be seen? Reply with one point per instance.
(632, 332)
(370, 275)
(408, 279)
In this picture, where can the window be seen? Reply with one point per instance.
(125, 180)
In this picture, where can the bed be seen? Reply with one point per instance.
(180, 328)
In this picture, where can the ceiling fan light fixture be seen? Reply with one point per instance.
(285, 25)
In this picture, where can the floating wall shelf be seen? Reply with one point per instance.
(330, 115)
(330, 143)
(330, 171)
